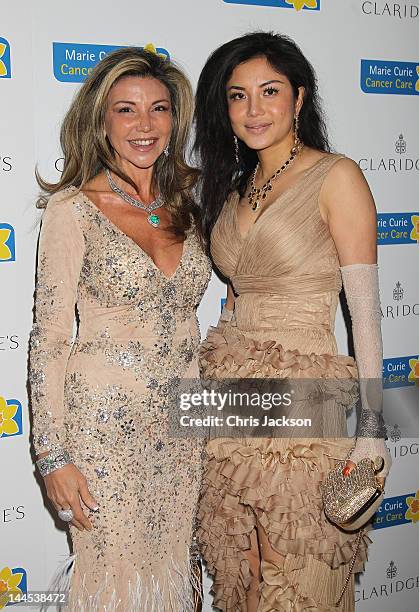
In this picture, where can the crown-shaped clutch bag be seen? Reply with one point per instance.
(350, 501)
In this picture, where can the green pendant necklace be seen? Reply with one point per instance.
(153, 219)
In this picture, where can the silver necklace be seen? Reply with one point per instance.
(153, 219)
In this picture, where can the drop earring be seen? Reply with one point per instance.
(297, 141)
(236, 150)
(166, 150)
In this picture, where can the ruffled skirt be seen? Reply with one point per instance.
(274, 484)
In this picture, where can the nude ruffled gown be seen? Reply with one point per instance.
(104, 399)
(286, 274)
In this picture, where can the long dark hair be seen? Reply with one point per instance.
(221, 175)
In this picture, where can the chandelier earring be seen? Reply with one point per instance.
(236, 150)
(166, 150)
(297, 141)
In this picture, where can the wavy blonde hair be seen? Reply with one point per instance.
(86, 147)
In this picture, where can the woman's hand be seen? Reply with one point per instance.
(65, 488)
(350, 465)
(371, 448)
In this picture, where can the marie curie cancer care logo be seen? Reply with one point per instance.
(399, 510)
(5, 66)
(308, 5)
(10, 418)
(7, 243)
(13, 581)
(398, 228)
(382, 77)
(401, 371)
(73, 62)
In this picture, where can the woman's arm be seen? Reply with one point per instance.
(346, 204)
(60, 254)
(60, 257)
(227, 311)
(230, 298)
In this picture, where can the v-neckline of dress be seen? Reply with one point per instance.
(117, 229)
(244, 238)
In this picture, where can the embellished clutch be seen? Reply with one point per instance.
(350, 501)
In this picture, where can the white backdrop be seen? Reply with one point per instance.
(367, 57)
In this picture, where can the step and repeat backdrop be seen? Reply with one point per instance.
(367, 58)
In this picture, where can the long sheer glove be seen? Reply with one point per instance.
(360, 282)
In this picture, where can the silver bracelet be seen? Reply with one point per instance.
(54, 461)
(371, 425)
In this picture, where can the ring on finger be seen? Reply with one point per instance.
(66, 515)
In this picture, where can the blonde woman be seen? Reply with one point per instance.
(120, 250)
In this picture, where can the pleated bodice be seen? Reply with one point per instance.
(285, 271)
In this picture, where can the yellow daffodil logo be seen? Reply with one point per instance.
(299, 4)
(414, 371)
(5, 252)
(8, 425)
(3, 69)
(414, 234)
(152, 49)
(9, 583)
(412, 513)
(4, 59)
(417, 82)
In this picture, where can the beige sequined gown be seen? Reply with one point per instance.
(103, 397)
(286, 274)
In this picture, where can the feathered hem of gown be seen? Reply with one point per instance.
(179, 591)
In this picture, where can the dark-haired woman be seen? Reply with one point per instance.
(287, 221)
(119, 245)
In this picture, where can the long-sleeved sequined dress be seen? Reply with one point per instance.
(103, 397)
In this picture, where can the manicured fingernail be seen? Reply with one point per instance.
(95, 509)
